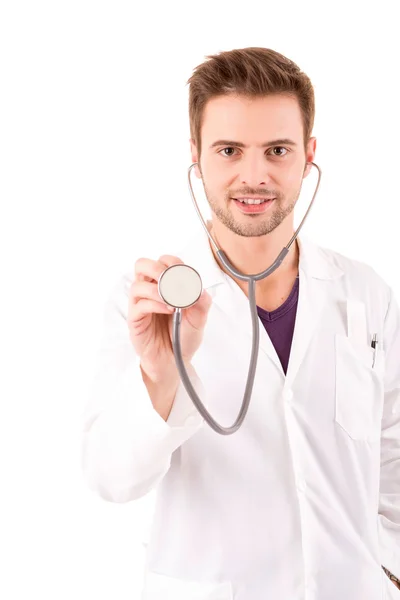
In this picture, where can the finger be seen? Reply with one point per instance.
(144, 289)
(169, 260)
(143, 270)
(151, 270)
(164, 262)
(145, 307)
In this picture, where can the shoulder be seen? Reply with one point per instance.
(359, 278)
(352, 267)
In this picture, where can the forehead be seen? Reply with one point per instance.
(239, 118)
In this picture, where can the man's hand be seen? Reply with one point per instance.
(395, 583)
(388, 574)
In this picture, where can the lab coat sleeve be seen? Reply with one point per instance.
(389, 499)
(126, 445)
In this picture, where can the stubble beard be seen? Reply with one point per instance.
(261, 225)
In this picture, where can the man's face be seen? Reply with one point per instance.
(274, 171)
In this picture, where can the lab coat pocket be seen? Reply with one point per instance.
(359, 389)
(164, 587)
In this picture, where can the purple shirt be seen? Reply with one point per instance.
(279, 324)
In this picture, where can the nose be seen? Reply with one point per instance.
(254, 171)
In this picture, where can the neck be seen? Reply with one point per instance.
(251, 255)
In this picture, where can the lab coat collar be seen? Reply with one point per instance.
(314, 261)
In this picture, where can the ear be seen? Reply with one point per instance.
(311, 148)
(194, 153)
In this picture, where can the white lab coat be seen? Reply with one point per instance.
(303, 502)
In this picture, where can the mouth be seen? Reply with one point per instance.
(253, 205)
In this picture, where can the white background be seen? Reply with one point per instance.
(93, 174)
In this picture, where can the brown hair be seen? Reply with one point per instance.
(252, 72)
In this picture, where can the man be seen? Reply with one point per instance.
(303, 501)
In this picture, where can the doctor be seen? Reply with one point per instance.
(303, 501)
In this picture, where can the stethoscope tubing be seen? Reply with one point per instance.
(251, 279)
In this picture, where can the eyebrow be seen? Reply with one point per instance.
(286, 141)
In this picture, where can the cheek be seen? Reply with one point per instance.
(294, 176)
(216, 182)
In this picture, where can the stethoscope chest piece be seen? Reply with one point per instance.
(180, 286)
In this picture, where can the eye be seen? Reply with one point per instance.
(281, 148)
(274, 148)
(227, 148)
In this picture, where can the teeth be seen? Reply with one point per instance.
(251, 201)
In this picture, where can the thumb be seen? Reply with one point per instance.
(197, 314)
(204, 302)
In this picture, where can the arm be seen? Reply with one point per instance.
(389, 499)
(126, 444)
(162, 393)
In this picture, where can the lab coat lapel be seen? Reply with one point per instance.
(311, 301)
(315, 271)
(235, 304)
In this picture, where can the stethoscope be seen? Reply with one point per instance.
(180, 286)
